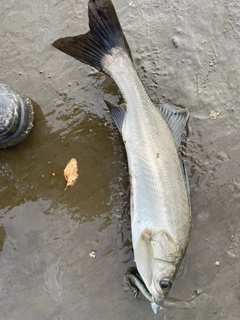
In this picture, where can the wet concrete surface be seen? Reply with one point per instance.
(186, 52)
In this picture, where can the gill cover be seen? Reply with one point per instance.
(150, 246)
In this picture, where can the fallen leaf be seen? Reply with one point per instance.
(70, 172)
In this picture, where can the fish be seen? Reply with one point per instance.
(160, 207)
(135, 282)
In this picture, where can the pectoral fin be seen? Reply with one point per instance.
(144, 256)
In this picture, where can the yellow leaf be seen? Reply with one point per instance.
(70, 172)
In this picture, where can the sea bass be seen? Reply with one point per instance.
(160, 204)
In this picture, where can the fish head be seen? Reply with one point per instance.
(161, 283)
(163, 276)
(162, 279)
(157, 258)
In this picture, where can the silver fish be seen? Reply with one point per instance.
(160, 204)
(135, 282)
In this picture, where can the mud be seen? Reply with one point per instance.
(63, 254)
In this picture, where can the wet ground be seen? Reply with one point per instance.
(184, 51)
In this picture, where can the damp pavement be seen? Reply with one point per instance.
(64, 253)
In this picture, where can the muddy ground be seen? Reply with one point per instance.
(187, 52)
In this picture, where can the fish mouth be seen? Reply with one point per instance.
(157, 298)
(159, 301)
(157, 304)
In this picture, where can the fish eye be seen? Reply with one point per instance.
(165, 284)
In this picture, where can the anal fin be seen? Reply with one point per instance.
(118, 113)
(176, 118)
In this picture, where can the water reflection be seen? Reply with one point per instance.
(34, 169)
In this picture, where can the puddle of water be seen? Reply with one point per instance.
(191, 57)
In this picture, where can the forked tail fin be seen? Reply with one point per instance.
(105, 33)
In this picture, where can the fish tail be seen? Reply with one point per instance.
(105, 34)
